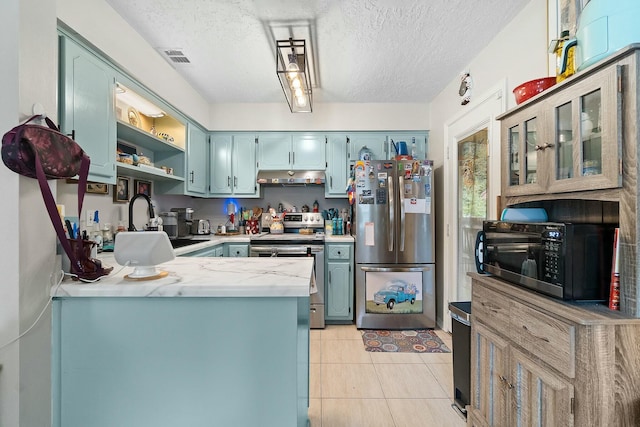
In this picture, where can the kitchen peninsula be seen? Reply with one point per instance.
(219, 341)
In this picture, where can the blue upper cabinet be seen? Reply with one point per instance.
(196, 161)
(244, 165)
(376, 142)
(295, 151)
(337, 166)
(109, 112)
(420, 139)
(220, 172)
(87, 87)
(308, 151)
(233, 165)
(274, 151)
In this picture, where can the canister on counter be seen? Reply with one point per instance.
(328, 227)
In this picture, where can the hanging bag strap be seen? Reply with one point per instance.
(53, 210)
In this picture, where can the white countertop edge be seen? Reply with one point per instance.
(329, 238)
(204, 277)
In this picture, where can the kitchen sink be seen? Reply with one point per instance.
(180, 243)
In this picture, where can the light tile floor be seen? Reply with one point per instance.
(350, 387)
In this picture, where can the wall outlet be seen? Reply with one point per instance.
(90, 218)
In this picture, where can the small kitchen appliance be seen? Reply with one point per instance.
(185, 221)
(200, 226)
(562, 260)
(605, 27)
(170, 224)
(143, 251)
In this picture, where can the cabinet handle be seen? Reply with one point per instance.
(289, 157)
(192, 173)
(330, 181)
(294, 158)
(504, 380)
(329, 276)
(72, 134)
(543, 146)
(235, 181)
(228, 181)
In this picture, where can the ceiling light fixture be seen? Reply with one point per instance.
(292, 68)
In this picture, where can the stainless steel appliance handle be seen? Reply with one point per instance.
(302, 250)
(401, 196)
(391, 214)
(394, 269)
(289, 250)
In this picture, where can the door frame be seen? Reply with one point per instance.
(482, 114)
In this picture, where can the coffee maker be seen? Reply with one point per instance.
(185, 221)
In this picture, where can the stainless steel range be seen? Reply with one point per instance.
(303, 237)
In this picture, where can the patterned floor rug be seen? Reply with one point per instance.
(409, 341)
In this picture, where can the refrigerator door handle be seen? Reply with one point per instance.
(392, 223)
(395, 269)
(401, 201)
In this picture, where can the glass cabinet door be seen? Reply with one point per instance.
(531, 150)
(564, 142)
(524, 157)
(514, 155)
(590, 133)
(587, 140)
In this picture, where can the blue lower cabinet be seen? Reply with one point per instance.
(213, 251)
(339, 283)
(236, 250)
(167, 362)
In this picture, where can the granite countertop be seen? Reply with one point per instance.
(203, 277)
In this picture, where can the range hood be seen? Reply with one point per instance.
(284, 177)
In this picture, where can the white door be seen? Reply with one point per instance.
(472, 173)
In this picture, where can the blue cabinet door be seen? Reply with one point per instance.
(338, 303)
(221, 158)
(274, 151)
(420, 138)
(337, 166)
(308, 151)
(244, 165)
(233, 165)
(196, 161)
(236, 250)
(339, 282)
(374, 141)
(87, 87)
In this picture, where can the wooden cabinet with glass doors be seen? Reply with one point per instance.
(567, 141)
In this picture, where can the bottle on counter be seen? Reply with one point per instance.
(414, 148)
(316, 206)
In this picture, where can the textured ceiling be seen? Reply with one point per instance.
(365, 50)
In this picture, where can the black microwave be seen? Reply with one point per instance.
(562, 260)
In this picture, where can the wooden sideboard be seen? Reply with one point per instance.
(540, 361)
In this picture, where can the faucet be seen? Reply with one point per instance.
(133, 199)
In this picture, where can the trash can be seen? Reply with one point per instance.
(461, 337)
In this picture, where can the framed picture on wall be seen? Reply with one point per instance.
(97, 188)
(121, 190)
(143, 187)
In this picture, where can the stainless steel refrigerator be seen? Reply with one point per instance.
(395, 254)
